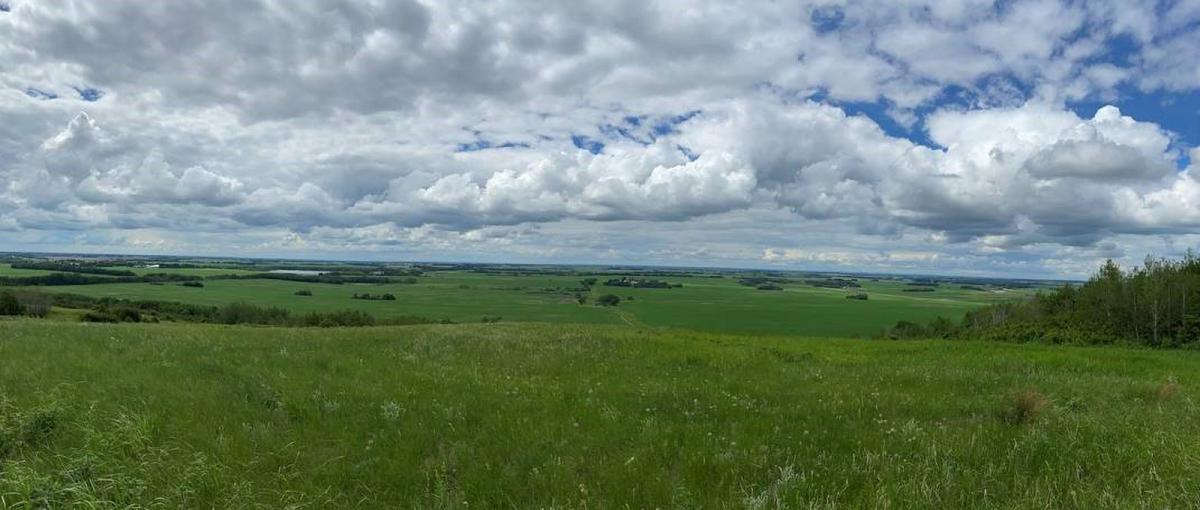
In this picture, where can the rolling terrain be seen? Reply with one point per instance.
(703, 303)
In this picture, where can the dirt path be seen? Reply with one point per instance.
(628, 318)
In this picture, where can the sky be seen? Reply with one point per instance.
(1000, 138)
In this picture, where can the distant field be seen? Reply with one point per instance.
(465, 298)
(708, 304)
(193, 271)
(723, 305)
(7, 270)
(535, 416)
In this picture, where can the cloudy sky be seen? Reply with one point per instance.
(1028, 138)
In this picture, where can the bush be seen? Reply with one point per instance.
(98, 316)
(36, 304)
(9, 305)
(198, 285)
(907, 329)
(374, 297)
(246, 313)
(304, 292)
(608, 300)
(342, 318)
(128, 315)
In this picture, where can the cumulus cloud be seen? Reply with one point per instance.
(411, 123)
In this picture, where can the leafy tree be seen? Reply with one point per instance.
(608, 300)
(9, 305)
(1156, 304)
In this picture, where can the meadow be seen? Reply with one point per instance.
(566, 416)
(8, 270)
(702, 303)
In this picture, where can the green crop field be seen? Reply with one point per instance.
(7, 270)
(708, 304)
(539, 416)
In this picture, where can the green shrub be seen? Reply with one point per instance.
(608, 300)
(9, 305)
(98, 316)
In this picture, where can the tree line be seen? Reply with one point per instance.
(1155, 304)
(56, 279)
(333, 278)
(36, 304)
(72, 267)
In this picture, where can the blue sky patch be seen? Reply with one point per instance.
(688, 153)
(89, 94)
(827, 18)
(629, 133)
(37, 93)
(668, 125)
(479, 145)
(644, 129)
(588, 144)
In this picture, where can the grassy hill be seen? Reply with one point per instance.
(593, 416)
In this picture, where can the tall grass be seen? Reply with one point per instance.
(529, 416)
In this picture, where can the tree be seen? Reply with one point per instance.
(608, 300)
(9, 305)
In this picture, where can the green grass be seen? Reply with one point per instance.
(708, 304)
(7, 270)
(721, 305)
(526, 416)
(466, 298)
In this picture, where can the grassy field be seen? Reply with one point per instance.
(527, 416)
(707, 304)
(7, 270)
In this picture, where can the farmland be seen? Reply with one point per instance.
(706, 302)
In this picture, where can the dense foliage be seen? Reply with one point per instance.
(334, 278)
(58, 279)
(9, 304)
(640, 283)
(72, 267)
(24, 302)
(760, 281)
(608, 300)
(374, 297)
(1156, 304)
(835, 283)
(121, 310)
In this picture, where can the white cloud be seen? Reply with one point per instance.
(342, 121)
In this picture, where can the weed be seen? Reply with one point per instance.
(1024, 407)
